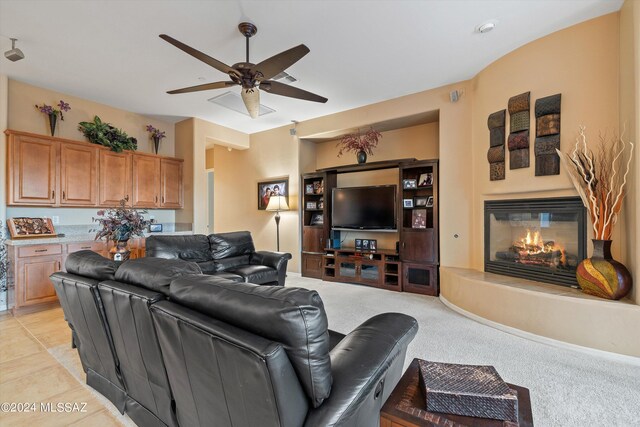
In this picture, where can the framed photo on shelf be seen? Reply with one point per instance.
(430, 202)
(358, 244)
(311, 205)
(409, 183)
(321, 204)
(276, 187)
(317, 187)
(24, 228)
(407, 203)
(420, 201)
(426, 179)
(419, 218)
(308, 189)
(365, 244)
(373, 244)
(317, 219)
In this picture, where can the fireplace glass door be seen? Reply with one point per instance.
(538, 239)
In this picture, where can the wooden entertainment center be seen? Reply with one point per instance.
(412, 266)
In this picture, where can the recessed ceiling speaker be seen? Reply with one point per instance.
(454, 95)
(14, 54)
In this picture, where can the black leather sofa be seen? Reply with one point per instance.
(171, 346)
(228, 255)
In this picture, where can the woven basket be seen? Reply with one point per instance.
(496, 119)
(548, 125)
(519, 121)
(548, 105)
(496, 137)
(476, 391)
(519, 103)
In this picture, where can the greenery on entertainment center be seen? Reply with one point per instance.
(101, 133)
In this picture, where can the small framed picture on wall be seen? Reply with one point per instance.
(407, 203)
(267, 189)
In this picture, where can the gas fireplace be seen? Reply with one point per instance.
(537, 239)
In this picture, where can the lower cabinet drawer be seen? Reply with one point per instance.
(39, 250)
(86, 246)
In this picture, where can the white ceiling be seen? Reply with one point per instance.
(362, 52)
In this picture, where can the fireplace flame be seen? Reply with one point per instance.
(531, 246)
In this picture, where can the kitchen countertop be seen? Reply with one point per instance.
(72, 238)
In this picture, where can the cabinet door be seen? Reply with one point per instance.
(32, 168)
(34, 283)
(313, 239)
(170, 183)
(418, 246)
(146, 181)
(370, 272)
(78, 175)
(312, 266)
(115, 178)
(420, 278)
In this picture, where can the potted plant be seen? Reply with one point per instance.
(53, 113)
(600, 179)
(119, 225)
(360, 143)
(101, 133)
(157, 135)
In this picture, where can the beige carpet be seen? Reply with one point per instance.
(568, 388)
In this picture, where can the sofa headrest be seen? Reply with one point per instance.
(92, 265)
(293, 317)
(155, 273)
(224, 245)
(193, 248)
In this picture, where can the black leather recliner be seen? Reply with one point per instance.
(228, 255)
(223, 353)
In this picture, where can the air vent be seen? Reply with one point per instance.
(233, 101)
(285, 77)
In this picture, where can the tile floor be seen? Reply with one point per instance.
(30, 374)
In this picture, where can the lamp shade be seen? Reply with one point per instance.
(277, 203)
(251, 98)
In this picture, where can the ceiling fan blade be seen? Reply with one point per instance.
(220, 66)
(206, 86)
(273, 66)
(277, 88)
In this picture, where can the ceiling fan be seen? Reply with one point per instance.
(251, 77)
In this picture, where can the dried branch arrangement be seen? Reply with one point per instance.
(359, 142)
(600, 178)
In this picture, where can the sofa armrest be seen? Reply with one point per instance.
(366, 365)
(275, 260)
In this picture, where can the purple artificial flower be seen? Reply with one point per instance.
(64, 106)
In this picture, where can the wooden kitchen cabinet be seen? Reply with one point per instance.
(32, 171)
(114, 178)
(49, 171)
(146, 181)
(78, 175)
(171, 183)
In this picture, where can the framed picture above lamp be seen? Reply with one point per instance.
(267, 189)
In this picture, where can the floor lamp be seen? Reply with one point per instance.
(277, 204)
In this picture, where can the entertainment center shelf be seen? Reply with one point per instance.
(411, 266)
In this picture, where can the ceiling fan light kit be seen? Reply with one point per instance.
(251, 77)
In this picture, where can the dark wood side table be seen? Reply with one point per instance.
(405, 407)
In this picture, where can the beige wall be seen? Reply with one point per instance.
(630, 116)
(273, 154)
(184, 132)
(420, 142)
(578, 62)
(23, 116)
(4, 105)
(209, 156)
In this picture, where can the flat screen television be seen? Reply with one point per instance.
(364, 208)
